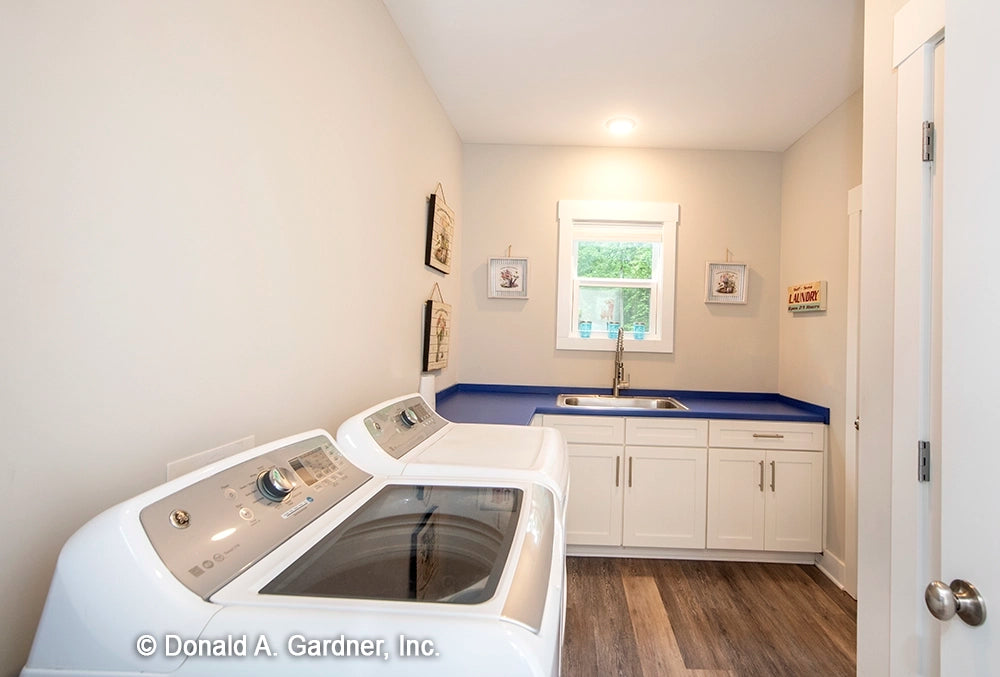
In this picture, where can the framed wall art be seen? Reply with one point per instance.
(440, 232)
(437, 334)
(725, 283)
(508, 278)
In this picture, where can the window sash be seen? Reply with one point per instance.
(656, 267)
(652, 323)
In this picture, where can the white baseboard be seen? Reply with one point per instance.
(691, 554)
(834, 568)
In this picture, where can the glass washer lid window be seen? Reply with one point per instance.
(412, 543)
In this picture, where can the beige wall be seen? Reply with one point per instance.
(727, 200)
(213, 221)
(817, 172)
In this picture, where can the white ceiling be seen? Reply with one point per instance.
(707, 74)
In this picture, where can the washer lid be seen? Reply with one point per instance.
(412, 543)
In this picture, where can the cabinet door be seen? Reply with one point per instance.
(793, 515)
(735, 499)
(594, 510)
(665, 497)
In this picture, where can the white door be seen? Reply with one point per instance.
(946, 356)
(793, 501)
(736, 480)
(594, 508)
(970, 360)
(665, 497)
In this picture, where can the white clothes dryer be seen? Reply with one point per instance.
(291, 559)
(406, 437)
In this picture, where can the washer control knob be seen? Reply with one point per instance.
(409, 417)
(274, 484)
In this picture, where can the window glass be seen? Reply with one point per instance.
(632, 260)
(624, 305)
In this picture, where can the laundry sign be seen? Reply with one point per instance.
(810, 296)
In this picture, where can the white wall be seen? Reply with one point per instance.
(213, 221)
(727, 200)
(817, 172)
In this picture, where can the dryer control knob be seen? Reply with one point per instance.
(409, 417)
(274, 484)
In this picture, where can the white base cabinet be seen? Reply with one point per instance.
(761, 497)
(635, 495)
(679, 483)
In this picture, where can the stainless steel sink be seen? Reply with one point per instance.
(611, 402)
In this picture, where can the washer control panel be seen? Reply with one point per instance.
(210, 531)
(402, 425)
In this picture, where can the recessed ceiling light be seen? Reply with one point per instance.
(620, 126)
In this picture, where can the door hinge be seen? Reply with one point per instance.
(857, 424)
(923, 461)
(928, 141)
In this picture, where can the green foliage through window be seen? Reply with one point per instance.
(624, 260)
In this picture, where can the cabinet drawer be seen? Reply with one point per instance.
(766, 435)
(673, 432)
(589, 429)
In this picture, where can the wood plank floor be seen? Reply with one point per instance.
(666, 618)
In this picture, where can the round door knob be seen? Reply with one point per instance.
(961, 598)
(274, 484)
(409, 417)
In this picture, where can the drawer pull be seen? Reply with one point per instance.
(769, 436)
(618, 463)
(761, 485)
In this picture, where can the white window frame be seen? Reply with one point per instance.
(580, 216)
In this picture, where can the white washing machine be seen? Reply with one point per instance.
(406, 437)
(288, 558)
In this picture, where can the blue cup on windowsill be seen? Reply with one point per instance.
(585, 327)
(638, 331)
(613, 329)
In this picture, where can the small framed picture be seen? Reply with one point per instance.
(726, 283)
(508, 278)
(440, 232)
(437, 334)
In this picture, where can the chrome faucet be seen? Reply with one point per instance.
(619, 381)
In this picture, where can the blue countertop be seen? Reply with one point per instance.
(483, 403)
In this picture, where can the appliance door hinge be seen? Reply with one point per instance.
(923, 461)
(928, 141)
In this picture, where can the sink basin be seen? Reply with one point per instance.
(611, 402)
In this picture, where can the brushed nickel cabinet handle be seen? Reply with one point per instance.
(630, 472)
(772, 477)
(618, 461)
(769, 436)
(761, 485)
